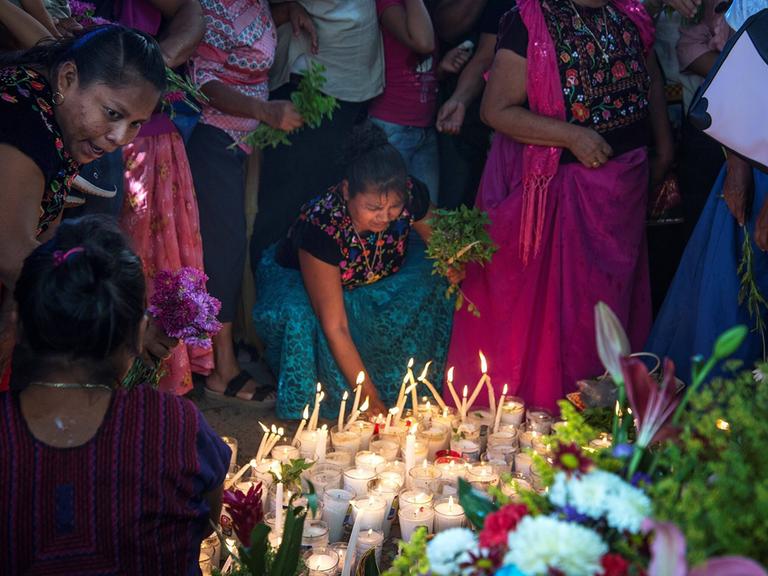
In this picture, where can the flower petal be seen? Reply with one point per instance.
(612, 341)
(667, 549)
(728, 566)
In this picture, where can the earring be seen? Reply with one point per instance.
(58, 98)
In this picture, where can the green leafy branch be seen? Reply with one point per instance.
(181, 89)
(458, 237)
(311, 103)
(411, 556)
(749, 291)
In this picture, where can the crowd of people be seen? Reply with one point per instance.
(562, 119)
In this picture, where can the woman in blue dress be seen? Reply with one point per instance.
(705, 297)
(350, 290)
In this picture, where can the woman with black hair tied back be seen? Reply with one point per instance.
(368, 301)
(86, 488)
(62, 104)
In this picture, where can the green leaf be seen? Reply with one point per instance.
(256, 557)
(287, 558)
(729, 341)
(476, 504)
(368, 566)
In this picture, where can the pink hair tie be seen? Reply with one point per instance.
(59, 256)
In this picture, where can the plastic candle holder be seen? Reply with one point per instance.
(412, 517)
(449, 514)
(335, 509)
(357, 480)
(373, 509)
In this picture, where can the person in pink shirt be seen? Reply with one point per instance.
(406, 109)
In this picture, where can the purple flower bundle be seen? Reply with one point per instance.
(83, 13)
(183, 308)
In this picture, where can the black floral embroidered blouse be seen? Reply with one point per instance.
(27, 123)
(324, 229)
(602, 69)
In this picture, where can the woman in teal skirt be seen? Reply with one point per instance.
(350, 290)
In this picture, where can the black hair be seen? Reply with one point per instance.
(111, 54)
(370, 160)
(81, 295)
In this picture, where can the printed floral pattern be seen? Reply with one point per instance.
(26, 88)
(603, 95)
(384, 252)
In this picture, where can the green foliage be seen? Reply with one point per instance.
(576, 429)
(749, 291)
(290, 474)
(411, 559)
(459, 236)
(476, 504)
(311, 103)
(714, 482)
(190, 94)
(141, 373)
(368, 566)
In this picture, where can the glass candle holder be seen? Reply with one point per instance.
(503, 438)
(539, 420)
(412, 517)
(518, 483)
(513, 411)
(449, 514)
(505, 453)
(469, 450)
(308, 444)
(285, 452)
(415, 498)
(526, 438)
(388, 490)
(448, 418)
(437, 438)
(523, 463)
(368, 460)
(357, 480)
(389, 449)
(365, 430)
(341, 549)
(323, 476)
(602, 442)
(315, 534)
(232, 443)
(262, 473)
(423, 477)
(347, 441)
(373, 510)
(335, 509)
(482, 476)
(322, 561)
(451, 468)
(344, 460)
(367, 540)
(212, 546)
(480, 417)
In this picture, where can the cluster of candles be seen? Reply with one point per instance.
(408, 472)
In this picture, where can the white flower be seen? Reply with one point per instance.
(541, 543)
(450, 548)
(758, 375)
(601, 494)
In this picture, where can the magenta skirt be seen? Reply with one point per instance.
(537, 320)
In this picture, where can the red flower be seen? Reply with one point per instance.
(571, 77)
(246, 511)
(618, 103)
(59, 144)
(599, 76)
(569, 458)
(614, 565)
(590, 49)
(579, 111)
(498, 525)
(619, 71)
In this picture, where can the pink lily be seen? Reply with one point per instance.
(653, 404)
(668, 556)
(612, 341)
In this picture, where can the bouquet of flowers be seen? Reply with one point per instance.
(458, 237)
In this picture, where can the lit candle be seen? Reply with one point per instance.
(387, 448)
(423, 477)
(356, 413)
(411, 517)
(431, 387)
(436, 438)
(342, 409)
(232, 481)
(497, 420)
(315, 409)
(482, 476)
(322, 443)
(451, 389)
(390, 413)
(523, 463)
(410, 450)
(335, 507)
(358, 389)
(340, 458)
(369, 461)
(322, 562)
(488, 385)
(367, 540)
(448, 515)
(285, 453)
(357, 480)
(464, 406)
(348, 441)
(279, 504)
(513, 411)
(387, 489)
(263, 443)
(356, 527)
(480, 383)
(451, 468)
(277, 433)
(400, 399)
(373, 509)
(413, 386)
(364, 430)
(303, 423)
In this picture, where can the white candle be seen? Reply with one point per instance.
(285, 453)
(480, 383)
(352, 545)
(400, 399)
(482, 476)
(451, 389)
(348, 441)
(363, 407)
(410, 452)
(341, 459)
(411, 517)
(303, 423)
(373, 508)
(390, 413)
(342, 409)
(448, 515)
(451, 468)
(279, 505)
(438, 398)
(335, 508)
(488, 385)
(232, 481)
(387, 489)
(322, 443)
(423, 477)
(369, 461)
(367, 540)
(519, 483)
(263, 443)
(357, 480)
(523, 463)
(322, 562)
(308, 444)
(272, 442)
(324, 476)
(464, 405)
(358, 389)
(365, 431)
(415, 498)
(513, 411)
(413, 387)
(497, 420)
(316, 408)
(387, 448)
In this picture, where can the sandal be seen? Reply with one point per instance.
(262, 397)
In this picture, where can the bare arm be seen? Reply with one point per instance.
(280, 114)
(23, 27)
(323, 284)
(37, 9)
(411, 26)
(450, 117)
(704, 63)
(214, 503)
(502, 109)
(454, 18)
(662, 132)
(21, 192)
(183, 30)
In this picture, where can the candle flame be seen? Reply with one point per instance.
(346, 395)
(264, 428)
(364, 405)
(274, 429)
(425, 371)
(394, 410)
(505, 390)
(253, 463)
(483, 363)
(425, 464)
(319, 387)
(410, 363)
(279, 474)
(722, 424)
(445, 412)
(466, 391)
(450, 503)
(428, 405)
(305, 415)
(450, 374)
(360, 378)
(410, 388)
(324, 427)
(280, 431)
(370, 532)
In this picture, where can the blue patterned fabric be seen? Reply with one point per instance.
(402, 316)
(703, 301)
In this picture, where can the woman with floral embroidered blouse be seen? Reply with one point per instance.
(574, 95)
(373, 299)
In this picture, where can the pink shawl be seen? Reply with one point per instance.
(545, 98)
